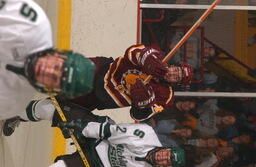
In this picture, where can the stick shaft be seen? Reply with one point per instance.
(188, 34)
(63, 118)
(191, 31)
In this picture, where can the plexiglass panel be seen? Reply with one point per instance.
(203, 2)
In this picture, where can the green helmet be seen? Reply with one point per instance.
(77, 77)
(178, 157)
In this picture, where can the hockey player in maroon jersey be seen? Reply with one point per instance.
(104, 83)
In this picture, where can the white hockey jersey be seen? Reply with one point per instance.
(126, 142)
(24, 29)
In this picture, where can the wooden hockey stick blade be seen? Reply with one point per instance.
(63, 118)
(188, 34)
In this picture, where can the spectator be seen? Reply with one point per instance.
(218, 157)
(213, 143)
(211, 119)
(177, 111)
(170, 133)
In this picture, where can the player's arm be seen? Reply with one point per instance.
(116, 134)
(148, 59)
(146, 104)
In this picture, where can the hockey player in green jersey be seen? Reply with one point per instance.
(120, 145)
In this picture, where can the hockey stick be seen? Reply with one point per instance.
(187, 35)
(63, 118)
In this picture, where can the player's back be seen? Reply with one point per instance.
(24, 29)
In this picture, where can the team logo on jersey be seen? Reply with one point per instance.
(129, 78)
(157, 108)
(115, 155)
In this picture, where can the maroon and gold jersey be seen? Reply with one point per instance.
(125, 70)
(113, 79)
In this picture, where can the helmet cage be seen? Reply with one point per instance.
(187, 74)
(177, 156)
(30, 74)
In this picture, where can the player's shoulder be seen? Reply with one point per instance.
(24, 23)
(135, 47)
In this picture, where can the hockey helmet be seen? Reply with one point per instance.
(77, 73)
(176, 159)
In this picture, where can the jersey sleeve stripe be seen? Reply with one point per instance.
(137, 53)
(106, 131)
(114, 68)
(170, 96)
(110, 88)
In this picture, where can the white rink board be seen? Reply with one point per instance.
(105, 28)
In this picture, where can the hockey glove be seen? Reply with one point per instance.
(77, 125)
(65, 132)
(142, 96)
(152, 65)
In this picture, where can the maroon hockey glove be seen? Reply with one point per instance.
(142, 96)
(152, 64)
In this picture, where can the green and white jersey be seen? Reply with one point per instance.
(24, 29)
(122, 143)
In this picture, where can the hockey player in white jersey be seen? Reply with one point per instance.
(24, 30)
(120, 145)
